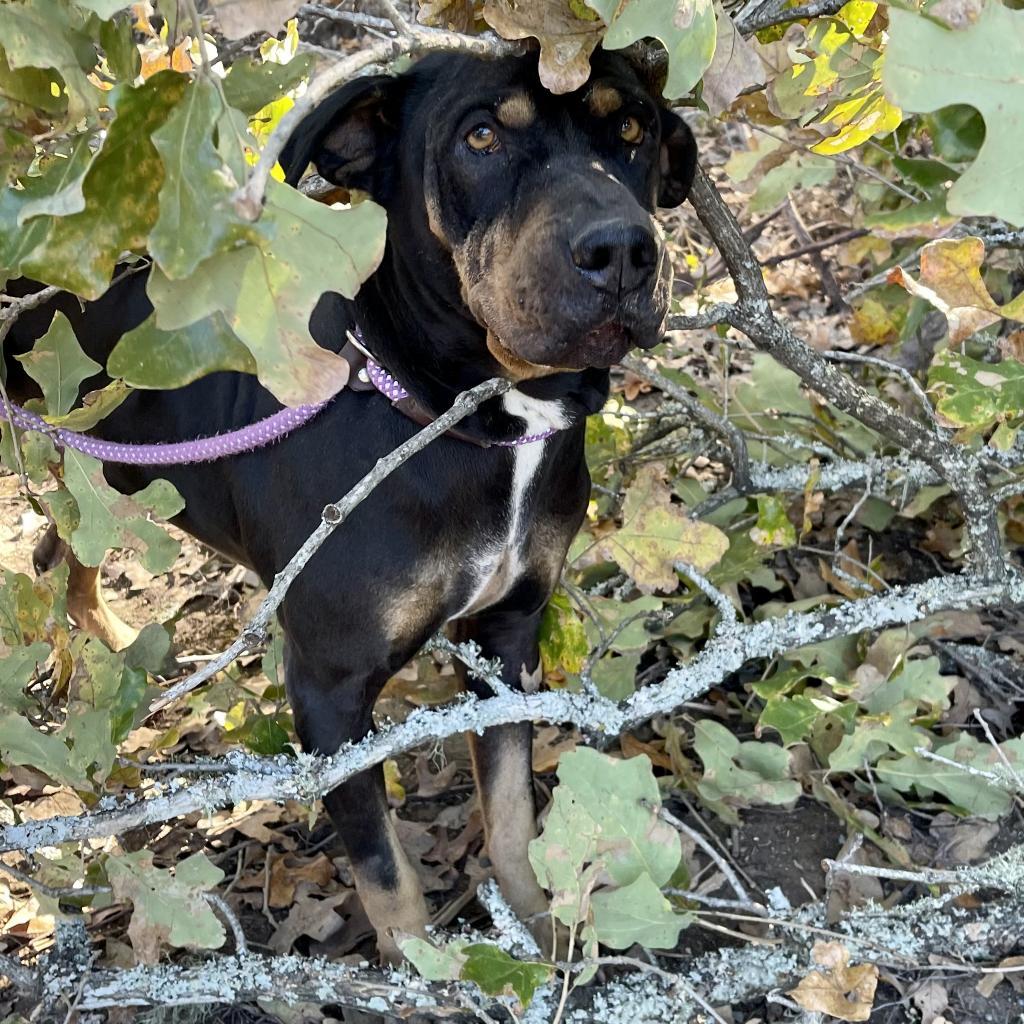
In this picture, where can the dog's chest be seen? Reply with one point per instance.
(502, 559)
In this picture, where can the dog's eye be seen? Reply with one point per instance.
(631, 131)
(482, 139)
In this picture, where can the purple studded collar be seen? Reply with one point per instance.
(393, 390)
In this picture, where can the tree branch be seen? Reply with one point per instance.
(306, 777)
(753, 316)
(254, 632)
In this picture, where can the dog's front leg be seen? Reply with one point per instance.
(330, 709)
(502, 764)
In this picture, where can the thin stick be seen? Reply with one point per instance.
(254, 633)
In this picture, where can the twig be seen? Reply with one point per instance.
(901, 371)
(774, 14)
(411, 39)
(53, 892)
(221, 905)
(722, 864)
(513, 936)
(20, 976)
(968, 769)
(733, 436)
(728, 622)
(753, 316)
(814, 247)
(254, 633)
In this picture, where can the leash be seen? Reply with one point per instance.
(235, 442)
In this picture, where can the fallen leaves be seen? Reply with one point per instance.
(841, 991)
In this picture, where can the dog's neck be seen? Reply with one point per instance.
(415, 324)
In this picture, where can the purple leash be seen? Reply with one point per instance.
(207, 449)
(178, 453)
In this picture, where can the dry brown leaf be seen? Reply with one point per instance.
(841, 991)
(930, 999)
(734, 67)
(154, 60)
(288, 871)
(951, 281)
(454, 15)
(549, 744)
(430, 783)
(632, 747)
(238, 18)
(314, 916)
(566, 42)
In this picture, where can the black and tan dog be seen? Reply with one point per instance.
(521, 242)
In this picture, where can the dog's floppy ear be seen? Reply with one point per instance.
(347, 137)
(678, 159)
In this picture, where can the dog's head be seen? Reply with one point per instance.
(542, 205)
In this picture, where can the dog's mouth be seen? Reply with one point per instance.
(607, 344)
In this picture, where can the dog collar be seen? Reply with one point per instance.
(366, 371)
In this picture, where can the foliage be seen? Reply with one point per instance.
(124, 141)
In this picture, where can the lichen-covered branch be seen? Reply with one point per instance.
(306, 777)
(753, 316)
(920, 935)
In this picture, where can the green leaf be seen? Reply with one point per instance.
(615, 675)
(497, 973)
(21, 743)
(250, 85)
(16, 670)
(794, 717)
(78, 252)
(621, 798)
(264, 734)
(975, 394)
(196, 216)
(58, 365)
(108, 519)
(875, 735)
(147, 357)
(44, 34)
(928, 66)
(656, 534)
(17, 239)
(920, 681)
(267, 292)
(104, 8)
(432, 963)
(773, 528)
(118, 41)
(738, 774)
(687, 28)
(167, 908)
(637, 913)
(973, 793)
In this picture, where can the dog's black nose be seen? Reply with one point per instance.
(616, 256)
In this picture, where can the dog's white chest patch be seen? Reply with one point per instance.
(498, 569)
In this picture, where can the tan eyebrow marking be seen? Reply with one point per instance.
(604, 100)
(517, 111)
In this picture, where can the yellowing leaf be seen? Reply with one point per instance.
(951, 281)
(655, 535)
(841, 991)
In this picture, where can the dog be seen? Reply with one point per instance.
(521, 242)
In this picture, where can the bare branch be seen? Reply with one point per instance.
(307, 777)
(702, 414)
(753, 316)
(254, 633)
(411, 39)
